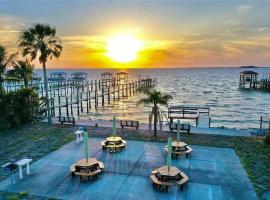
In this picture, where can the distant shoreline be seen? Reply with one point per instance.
(249, 67)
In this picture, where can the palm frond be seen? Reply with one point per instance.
(143, 101)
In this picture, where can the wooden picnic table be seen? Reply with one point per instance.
(169, 172)
(176, 144)
(165, 176)
(113, 139)
(89, 163)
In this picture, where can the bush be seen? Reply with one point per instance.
(17, 107)
(267, 139)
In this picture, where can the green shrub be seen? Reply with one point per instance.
(17, 107)
(267, 139)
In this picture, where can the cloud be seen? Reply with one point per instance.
(232, 22)
(263, 29)
(243, 9)
(10, 27)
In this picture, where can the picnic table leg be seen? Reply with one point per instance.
(20, 172)
(77, 138)
(81, 137)
(27, 168)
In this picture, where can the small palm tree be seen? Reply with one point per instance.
(5, 62)
(23, 70)
(155, 98)
(40, 40)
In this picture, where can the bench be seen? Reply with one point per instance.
(70, 120)
(161, 185)
(184, 128)
(115, 148)
(85, 172)
(154, 172)
(101, 166)
(183, 181)
(103, 144)
(129, 123)
(88, 174)
(72, 169)
(189, 150)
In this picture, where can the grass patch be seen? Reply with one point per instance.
(37, 140)
(33, 141)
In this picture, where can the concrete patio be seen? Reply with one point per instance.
(215, 173)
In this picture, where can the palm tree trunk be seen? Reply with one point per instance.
(155, 119)
(26, 82)
(47, 94)
(1, 82)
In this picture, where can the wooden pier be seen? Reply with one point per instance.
(71, 98)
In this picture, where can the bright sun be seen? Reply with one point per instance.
(123, 48)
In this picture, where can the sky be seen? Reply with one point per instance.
(174, 33)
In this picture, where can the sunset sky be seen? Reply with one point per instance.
(169, 33)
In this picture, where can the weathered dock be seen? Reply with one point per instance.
(74, 97)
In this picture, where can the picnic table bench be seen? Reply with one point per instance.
(183, 181)
(129, 123)
(161, 185)
(70, 120)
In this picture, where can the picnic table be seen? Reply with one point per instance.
(178, 149)
(85, 163)
(87, 168)
(165, 176)
(113, 143)
(79, 135)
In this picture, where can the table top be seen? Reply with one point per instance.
(23, 161)
(84, 163)
(113, 139)
(172, 172)
(78, 132)
(178, 144)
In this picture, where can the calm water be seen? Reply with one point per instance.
(216, 88)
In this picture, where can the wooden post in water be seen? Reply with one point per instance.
(102, 97)
(59, 104)
(81, 102)
(78, 103)
(118, 92)
(109, 95)
(71, 104)
(96, 103)
(67, 112)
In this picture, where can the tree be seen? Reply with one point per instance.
(155, 98)
(5, 62)
(23, 70)
(40, 40)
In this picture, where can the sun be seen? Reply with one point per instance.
(123, 48)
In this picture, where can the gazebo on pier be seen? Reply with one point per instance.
(248, 79)
(79, 76)
(107, 78)
(121, 77)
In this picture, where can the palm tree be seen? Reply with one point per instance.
(156, 98)
(40, 40)
(23, 70)
(5, 62)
